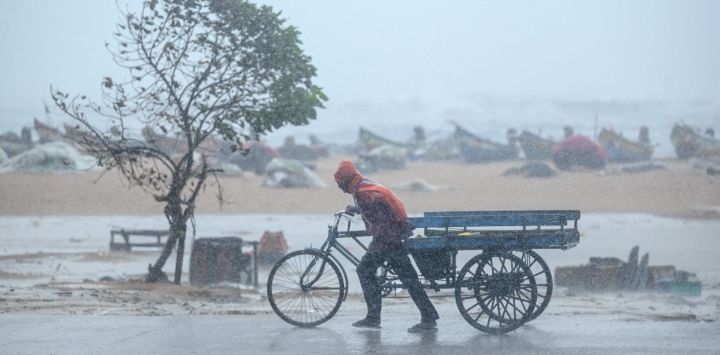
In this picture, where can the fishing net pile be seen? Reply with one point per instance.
(50, 157)
(290, 174)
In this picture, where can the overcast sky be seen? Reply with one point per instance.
(378, 50)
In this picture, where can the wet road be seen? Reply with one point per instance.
(70, 334)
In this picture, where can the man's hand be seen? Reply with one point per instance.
(351, 210)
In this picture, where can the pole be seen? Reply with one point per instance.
(596, 125)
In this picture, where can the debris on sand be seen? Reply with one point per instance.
(708, 212)
(229, 169)
(709, 165)
(609, 273)
(534, 169)
(635, 168)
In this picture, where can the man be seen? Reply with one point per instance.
(385, 218)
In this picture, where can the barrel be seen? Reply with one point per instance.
(215, 260)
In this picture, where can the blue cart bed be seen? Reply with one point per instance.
(496, 230)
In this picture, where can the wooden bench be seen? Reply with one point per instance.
(159, 237)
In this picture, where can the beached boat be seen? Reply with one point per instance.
(621, 149)
(302, 152)
(536, 147)
(474, 149)
(47, 133)
(368, 141)
(164, 143)
(378, 153)
(689, 142)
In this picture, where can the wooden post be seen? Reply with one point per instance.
(179, 259)
(255, 264)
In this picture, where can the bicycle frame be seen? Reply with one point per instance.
(331, 244)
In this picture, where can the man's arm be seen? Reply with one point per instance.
(374, 208)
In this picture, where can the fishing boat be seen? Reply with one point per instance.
(379, 153)
(368, 141)
(536, 147)
(47, 133)
(12, 144)
(474, 149)
(621, 149)
(689, 142)
(167, 144)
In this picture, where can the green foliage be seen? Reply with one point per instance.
(198, 69)
(232, 65)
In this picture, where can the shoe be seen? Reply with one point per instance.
(365, 323)
(423, 327)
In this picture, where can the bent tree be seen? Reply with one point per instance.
(198, 69)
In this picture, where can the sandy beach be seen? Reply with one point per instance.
(55, 261)
(678, 191)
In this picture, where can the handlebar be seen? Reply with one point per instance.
(349, 211)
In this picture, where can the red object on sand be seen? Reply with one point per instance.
(579, 150)
(272, 246)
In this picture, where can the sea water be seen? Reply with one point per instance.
(689, 245)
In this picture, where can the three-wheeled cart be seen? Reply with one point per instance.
(502, 287)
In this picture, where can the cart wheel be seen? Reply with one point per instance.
(543, 279)
(495, 292)
(312, 300)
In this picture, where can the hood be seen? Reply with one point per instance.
(347, 176)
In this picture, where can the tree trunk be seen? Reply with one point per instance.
(178, 227)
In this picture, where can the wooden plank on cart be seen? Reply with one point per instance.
(504, 240)
(494, 218)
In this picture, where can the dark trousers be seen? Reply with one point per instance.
(399, 262)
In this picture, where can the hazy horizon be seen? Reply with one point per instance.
(419, 62)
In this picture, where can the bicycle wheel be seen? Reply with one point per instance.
(312, 300)
(543, 279)
(495, 292)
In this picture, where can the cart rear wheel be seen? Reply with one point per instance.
(495, 292)
(543, 280)
(312, 300)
